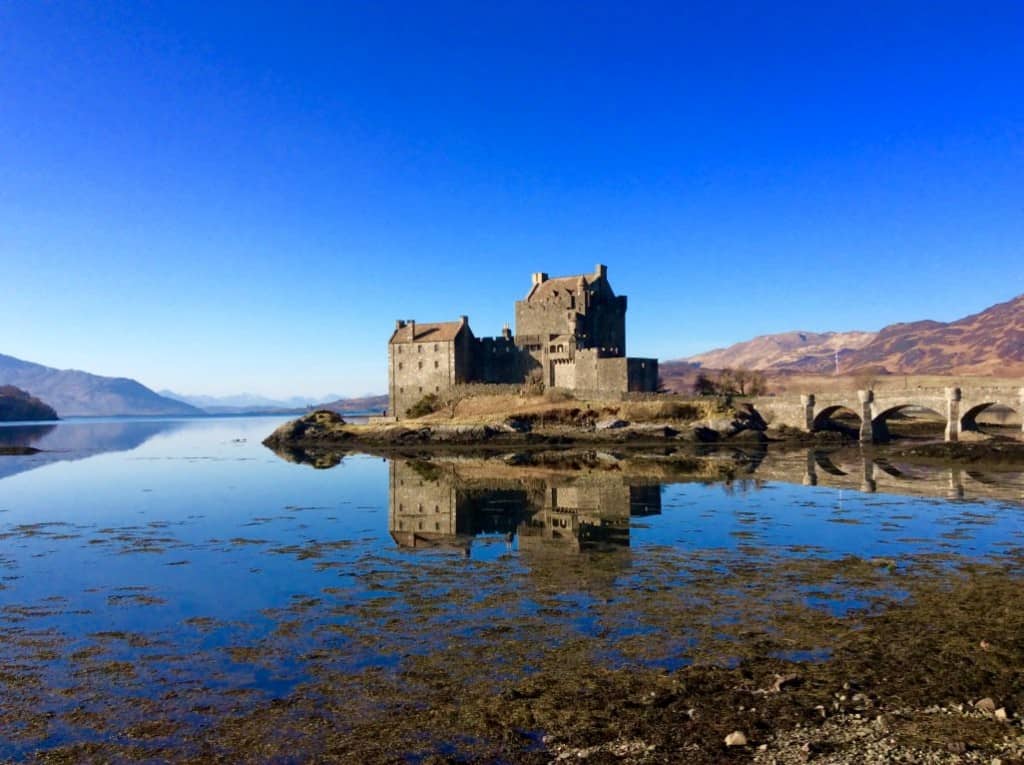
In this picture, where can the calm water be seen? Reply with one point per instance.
(140, 558)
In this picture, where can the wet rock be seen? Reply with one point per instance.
(700, 435)
(1000, 714)
(610, 424)
(518, 425)
(749, 436)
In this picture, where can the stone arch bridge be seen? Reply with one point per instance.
(959, 406)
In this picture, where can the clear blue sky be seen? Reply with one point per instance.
(219, 197)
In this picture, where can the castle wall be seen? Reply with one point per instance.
(598, 376)
(605, 326)
(564, 374)
(541, 319)
(419, 369)
(641, 375)
(498, 360)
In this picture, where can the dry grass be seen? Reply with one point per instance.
(670, 409)
(487, 409)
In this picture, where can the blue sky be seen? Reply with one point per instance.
(218, 198)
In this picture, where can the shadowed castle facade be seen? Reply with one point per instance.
(570, 333)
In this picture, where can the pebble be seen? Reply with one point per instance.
(985, 705)
(1000, 714)
(736, 738)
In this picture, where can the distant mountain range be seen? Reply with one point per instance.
(79, 394)
(361, 404)
(987, 343)
(247, 401)
(73, 393)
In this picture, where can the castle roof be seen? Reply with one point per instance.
(435, 332)
(552, 287)
(545, 287)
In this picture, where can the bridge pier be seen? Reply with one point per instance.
(953, 423)
(867, 429)
(807, 412)
(1020, 409)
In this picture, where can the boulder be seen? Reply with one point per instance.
(518, 425)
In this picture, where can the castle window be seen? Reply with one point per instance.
(420, 365)
(436, 365)
(399, 364)
(437, 527)
(419, 349)
(401, 390)
(436, 348)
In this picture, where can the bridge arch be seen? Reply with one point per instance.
(831, 417)
(891, 410)
(969, 418)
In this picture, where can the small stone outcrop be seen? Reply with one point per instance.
(315, 426)
(17, 405)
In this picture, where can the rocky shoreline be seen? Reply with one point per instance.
(325, 432)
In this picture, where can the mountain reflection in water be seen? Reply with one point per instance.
(78, 439)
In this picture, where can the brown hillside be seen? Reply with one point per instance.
(987, 343)
(785, 349)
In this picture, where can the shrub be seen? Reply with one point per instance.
(427, 405)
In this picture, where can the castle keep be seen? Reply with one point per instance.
(570, 333)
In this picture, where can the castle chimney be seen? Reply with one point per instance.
(506, 332)
(399, 323)
(601, 271)
(539, 278)
(412, 329)
(463, 320)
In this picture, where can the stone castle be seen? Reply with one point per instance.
(570, 333)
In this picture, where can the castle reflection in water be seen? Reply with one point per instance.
(450, 502)
(434, 505)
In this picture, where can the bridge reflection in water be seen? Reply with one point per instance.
(449, 503)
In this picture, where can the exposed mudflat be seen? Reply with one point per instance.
(707, 645)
